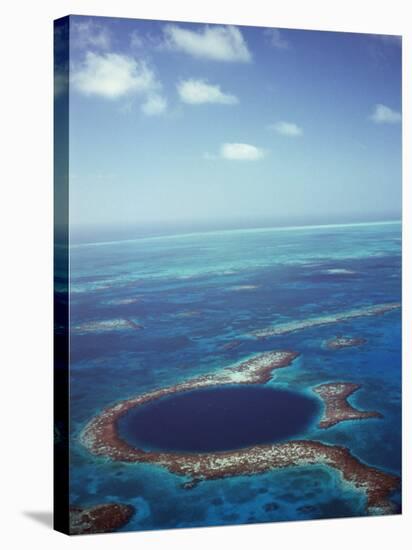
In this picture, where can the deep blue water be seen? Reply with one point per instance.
(195, 294)
(218, 419)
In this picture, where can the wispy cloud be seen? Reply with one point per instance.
(196, 92)
(136, 40)
(382, 47)
(154, 105)
(240, 151)
(393, 39)
(275, 39)
(220, 43)
(289, 129)
(88, 34)
(385, 115)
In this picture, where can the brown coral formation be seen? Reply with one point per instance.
(337, 408)
(341, 342)
(103, 518)
(101, 437)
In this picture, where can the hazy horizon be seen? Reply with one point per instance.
(101, 233)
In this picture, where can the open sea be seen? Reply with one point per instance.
(151, 312)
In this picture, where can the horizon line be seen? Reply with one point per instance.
(238, 230)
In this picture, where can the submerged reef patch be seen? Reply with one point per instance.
(122, 301)
(341, 342)
(337, 409)
(240, 288)
(339, 271)
(111, 325)
(339, 317)
(103, 518)
(188, 314)
(232, 344)
(101, 437)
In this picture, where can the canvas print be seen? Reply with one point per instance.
(227, 274)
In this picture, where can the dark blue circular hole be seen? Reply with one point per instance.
(218, 419)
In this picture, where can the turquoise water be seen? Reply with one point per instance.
(151, 312)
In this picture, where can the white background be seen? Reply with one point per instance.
(26, 269)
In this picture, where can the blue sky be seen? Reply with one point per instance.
(193, 123)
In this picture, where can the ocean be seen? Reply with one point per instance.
(151, 312)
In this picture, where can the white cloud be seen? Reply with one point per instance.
(112, 76)
(196, 92)
(289, 129)
(276, 39)
(240, 151)
(385, 115)
(87, 34)
(220, 43)
(155, 104)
